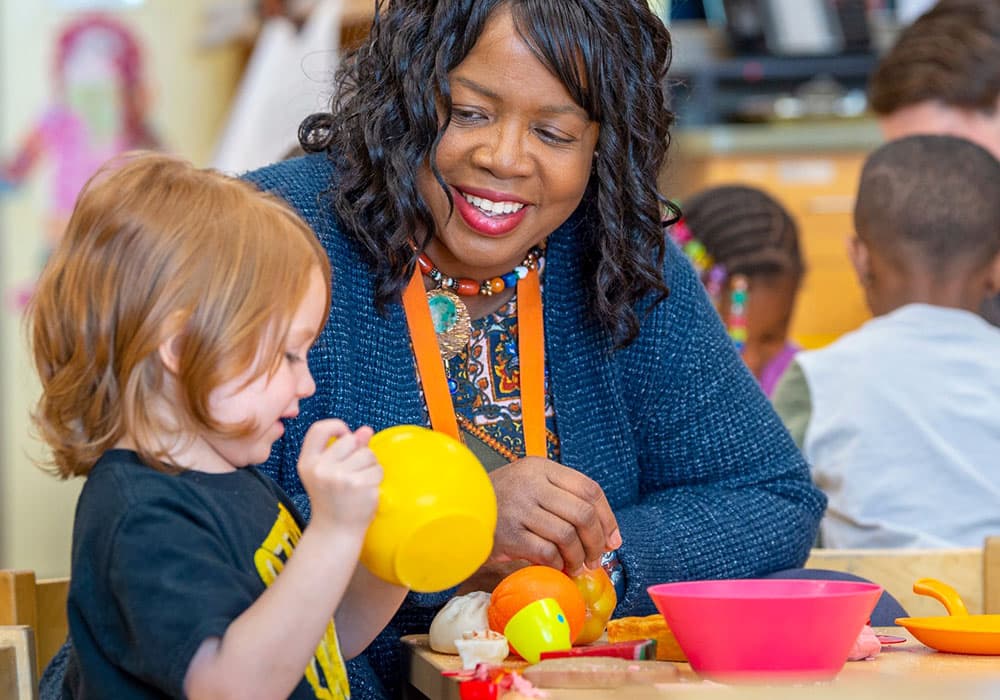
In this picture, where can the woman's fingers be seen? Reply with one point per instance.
(551, 514)
(561, 540)
(596, 510)
(572, 525)
(538, 550)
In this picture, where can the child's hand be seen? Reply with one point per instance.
(341, 479)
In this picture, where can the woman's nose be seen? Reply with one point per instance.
(504, 153)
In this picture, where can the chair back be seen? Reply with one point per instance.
(973, 572)
(18, 671)
(38, 604)
(991, 575)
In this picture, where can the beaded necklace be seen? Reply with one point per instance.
(452, 324)
(714, 275)
(531, 358)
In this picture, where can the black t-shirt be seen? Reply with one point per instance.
(161, 562)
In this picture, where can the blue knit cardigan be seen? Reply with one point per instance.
(701, 474)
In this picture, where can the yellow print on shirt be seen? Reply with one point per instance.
(326, 672)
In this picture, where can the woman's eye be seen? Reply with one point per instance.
(465, 116)
(554, 137)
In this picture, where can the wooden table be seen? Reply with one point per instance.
(910, 670)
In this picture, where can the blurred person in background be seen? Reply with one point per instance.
(745, 247)
(900, 419)
(942, 76)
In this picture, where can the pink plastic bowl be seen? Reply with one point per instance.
(753, 628)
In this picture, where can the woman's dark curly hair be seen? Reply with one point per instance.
(384, 127)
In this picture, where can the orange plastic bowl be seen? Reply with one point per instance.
(760, 628)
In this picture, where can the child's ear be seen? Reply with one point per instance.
(857, 251)
(170, 348)
(170, 353)
(993, 280)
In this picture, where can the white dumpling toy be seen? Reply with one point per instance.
(482, 647)
(464, 613)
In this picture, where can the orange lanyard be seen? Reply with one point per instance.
(531, 356)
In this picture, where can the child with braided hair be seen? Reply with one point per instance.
(745, 246)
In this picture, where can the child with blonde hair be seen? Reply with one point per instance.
(170, 330)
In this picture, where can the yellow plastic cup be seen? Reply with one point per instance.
(437, 511)
(537, 627)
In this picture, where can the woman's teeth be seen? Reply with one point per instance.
(491, 208)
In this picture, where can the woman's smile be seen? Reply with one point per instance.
(494, 216)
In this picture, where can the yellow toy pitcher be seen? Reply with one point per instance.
(437, 512)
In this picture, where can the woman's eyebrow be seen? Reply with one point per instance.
(567, 108)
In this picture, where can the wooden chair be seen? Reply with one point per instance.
(39, 605)
(18, 672)
(973, 572)
(991, 575)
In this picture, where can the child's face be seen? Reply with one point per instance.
(770, 301)
(266, 400)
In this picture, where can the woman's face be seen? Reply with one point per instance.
(516, 157)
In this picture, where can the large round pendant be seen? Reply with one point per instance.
(452, 324)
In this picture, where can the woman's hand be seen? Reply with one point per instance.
(551, 514)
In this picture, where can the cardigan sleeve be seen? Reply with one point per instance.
(722, 490)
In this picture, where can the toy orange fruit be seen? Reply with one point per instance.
(533, 583)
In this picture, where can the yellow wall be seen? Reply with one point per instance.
(190, 92)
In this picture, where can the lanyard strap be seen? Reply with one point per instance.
(531, 357)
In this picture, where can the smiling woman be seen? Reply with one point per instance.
(487, 175)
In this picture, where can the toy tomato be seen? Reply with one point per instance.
(600, 598)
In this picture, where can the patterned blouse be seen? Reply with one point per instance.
(485, 384)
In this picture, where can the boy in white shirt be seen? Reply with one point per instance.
(900, 419)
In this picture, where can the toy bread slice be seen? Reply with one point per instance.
(598, 672)
(626, 629)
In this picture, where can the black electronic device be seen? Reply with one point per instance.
(797, 27)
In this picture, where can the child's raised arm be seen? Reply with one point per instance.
(366, 609)
(264, 651)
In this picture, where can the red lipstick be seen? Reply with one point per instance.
(485, 224)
